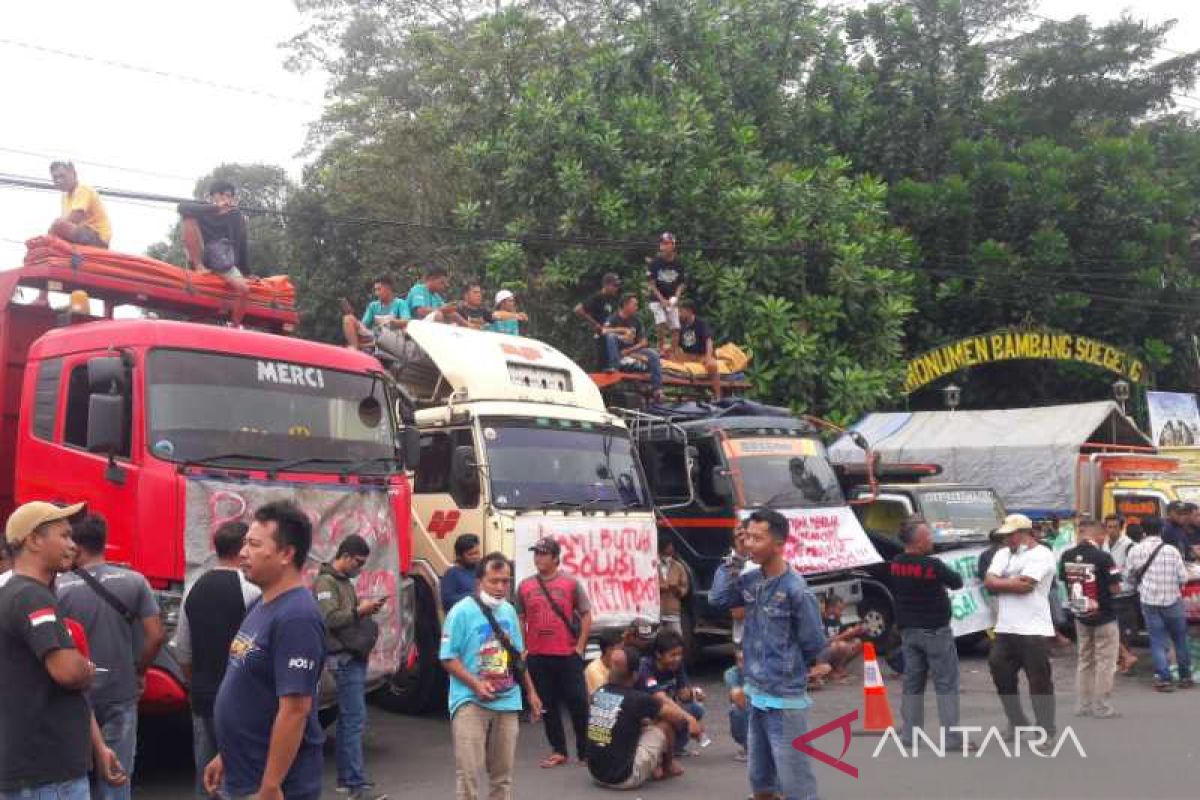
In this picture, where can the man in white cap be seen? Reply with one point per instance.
(1020, 575)
(505, 317)
(47, 735)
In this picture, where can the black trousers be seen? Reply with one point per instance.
(560, 684)
(1012, 653)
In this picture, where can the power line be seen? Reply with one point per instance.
(119, 168)
(158, 73)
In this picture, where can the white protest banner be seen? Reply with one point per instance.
(826, 540)
(615, 559)
(970, 610)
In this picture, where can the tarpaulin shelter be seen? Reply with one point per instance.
(1028, 455)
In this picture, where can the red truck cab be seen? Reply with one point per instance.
(171, 428)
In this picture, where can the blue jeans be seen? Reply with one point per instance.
(1163, 623)
(118, 724)
(775, 766)
(681, 730)
(204, 749)
(929, 650)
(739, 719)
(612, 350)
(351, 676)
(76, 789)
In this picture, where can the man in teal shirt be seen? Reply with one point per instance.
(483, 653)
(385, 313)
(426, 297)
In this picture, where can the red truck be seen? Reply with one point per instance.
(170, 428)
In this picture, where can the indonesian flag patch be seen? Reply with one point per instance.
(42, 616)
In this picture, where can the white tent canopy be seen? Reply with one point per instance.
(1028, 455)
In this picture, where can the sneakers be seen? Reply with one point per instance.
(366, 793)
(1187, 683)
(1106, 713)
(741, 755)
(1163, 686)
(1083, 711)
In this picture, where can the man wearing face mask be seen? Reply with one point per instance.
(1020, 575)
(350, 634)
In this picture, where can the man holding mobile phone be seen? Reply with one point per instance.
(350, 635)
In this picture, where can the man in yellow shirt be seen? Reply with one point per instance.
(83, 220)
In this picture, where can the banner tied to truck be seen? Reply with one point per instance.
(614, 558)
(825, 540)
(1012, 345)
(335, 513)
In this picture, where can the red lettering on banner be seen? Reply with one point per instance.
(615, 565)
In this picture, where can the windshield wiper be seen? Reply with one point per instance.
(561, 504)
(357, 465)
(299, 462)
(208, 460)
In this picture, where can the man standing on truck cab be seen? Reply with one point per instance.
(266, 709)
(596, 310)
(350, 635)
(666, 282)
(483, 652)
(919, 581)
(212, 612)
(1092, 580)
(782, 637)
(459, 581)
(118, 612)
(556, 615)
(1021, 574)
(84, 219)
(214, 238)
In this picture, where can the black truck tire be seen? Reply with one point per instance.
(424, 688)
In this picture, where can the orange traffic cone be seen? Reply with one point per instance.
(877, 716)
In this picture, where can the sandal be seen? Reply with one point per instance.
(554, 760)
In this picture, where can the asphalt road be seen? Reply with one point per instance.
(1151, 753)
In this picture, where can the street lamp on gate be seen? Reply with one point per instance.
(952, 396)
(1120, 390)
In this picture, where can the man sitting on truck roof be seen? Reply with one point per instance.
(84, 219)
(696, 344)
(214, 238)
(386, 312)
(426, 298)
(625, 338)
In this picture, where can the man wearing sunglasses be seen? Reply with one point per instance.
(350, 634)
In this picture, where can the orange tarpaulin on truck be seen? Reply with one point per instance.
(52, 251)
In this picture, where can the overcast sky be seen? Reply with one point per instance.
(159, 134)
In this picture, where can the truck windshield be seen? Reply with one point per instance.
(783, 473)
(957, 514)
(556, 463)
(231, 409)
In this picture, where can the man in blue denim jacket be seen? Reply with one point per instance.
(782, 637)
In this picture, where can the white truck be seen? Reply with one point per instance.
(516, 444)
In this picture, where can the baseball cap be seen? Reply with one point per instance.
(546, 546)
(1013, 523)
(28, 517)
(667, 237)
(1176, 507)
(502, 295)
(610, 278)
(644, 627)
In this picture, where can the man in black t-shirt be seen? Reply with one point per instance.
(665, 276)
(919, 582)
(46, 731)
(1092, 578)
(212, 612)
(596, 310)
(214, 238)
(631, 733)
(696, 344)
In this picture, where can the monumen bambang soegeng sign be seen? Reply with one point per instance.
(1012, 345)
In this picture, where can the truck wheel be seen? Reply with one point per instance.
(424, 688)
(877, 618)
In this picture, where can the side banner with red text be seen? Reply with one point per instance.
(826, 540)
(615, 559)
(335, 512)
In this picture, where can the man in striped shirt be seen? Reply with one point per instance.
(1158, 573)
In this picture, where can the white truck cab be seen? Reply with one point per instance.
(516, 444)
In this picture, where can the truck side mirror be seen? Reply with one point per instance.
(722, 487)
(106, 423)
(464, 476)
(105, 373)
(409, 444)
